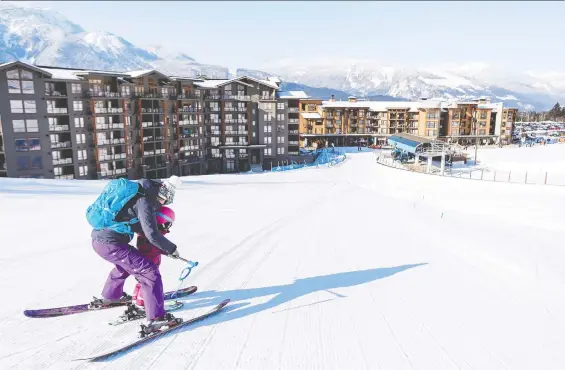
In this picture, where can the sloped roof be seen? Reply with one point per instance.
(26, 65)
(145, 72)
(292, 95)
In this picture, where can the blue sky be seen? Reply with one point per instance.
(253, 34)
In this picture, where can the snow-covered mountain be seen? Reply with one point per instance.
(44, 37)
(366, 78)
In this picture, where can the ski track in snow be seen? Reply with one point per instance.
(359, 266)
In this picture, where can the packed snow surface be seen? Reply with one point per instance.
(537, 164)
(359, 266)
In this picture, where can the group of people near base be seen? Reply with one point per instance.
(123, 209)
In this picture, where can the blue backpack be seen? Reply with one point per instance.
(102, 213)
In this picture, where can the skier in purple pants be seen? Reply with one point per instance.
(114, 247)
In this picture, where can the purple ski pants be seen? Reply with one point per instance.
(128, 261)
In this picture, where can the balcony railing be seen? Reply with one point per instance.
(57, 128)
(61, 144)
(57, 110)
(65, 177)
(108, 110)
(111, 141)
(152, 124)
(292, 142)
(236, 97)
(292, 110)
(293, 121)
(267, 97)
(293, 132)
(106, 173)
(188, 123)
(236, 132)
(189, 110)
(292, 152)
(111, 157)
(107, 126)
(104, 94)
(151, 110)
(239, 109)
(189, 136)
(62, 161)
(189, 148)
(55, 93)
(188, 96)
(212, 121)
(154, 152)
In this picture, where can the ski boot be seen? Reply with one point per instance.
(103, 302)
(162, 323)
(132, 312)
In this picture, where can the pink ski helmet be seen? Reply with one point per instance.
(165, 218)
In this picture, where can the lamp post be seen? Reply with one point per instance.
(476, 136)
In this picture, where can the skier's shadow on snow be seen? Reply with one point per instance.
(283, 293)
(237, 309)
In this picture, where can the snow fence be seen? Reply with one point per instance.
(322, 157)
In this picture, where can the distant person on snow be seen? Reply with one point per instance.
(124, 208)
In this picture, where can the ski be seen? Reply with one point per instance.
(159, 334)
(70, 310)
(133, 312)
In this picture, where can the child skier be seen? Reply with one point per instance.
(165, 218)
(124, 208)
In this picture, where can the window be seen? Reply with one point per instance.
(26, 75)
(267, 151)
(34, 144)
(13, 74)
(81, 154)
(81, 138)
(280, 105)
(27, 87)
(455, 123)
(311, 107)
(77, 105)
(29, 106)
(430, 124)
(280, 150)
(83, 170)
(76, 88)
(483, 115)
(23, 163)
(482, 132)
(16, 106)
(267, 140)
(21, 145)
(36, 163)
(280, 139)
(254, 123)
(19, 125)
(79, 121)
(14, 87)
(267, 117)
(280, 117)
(32, 125)
(482, 123)
(268, 128)
(58, 171)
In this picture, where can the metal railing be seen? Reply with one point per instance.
(476, 173)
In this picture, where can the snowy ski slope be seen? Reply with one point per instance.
(354, 267)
